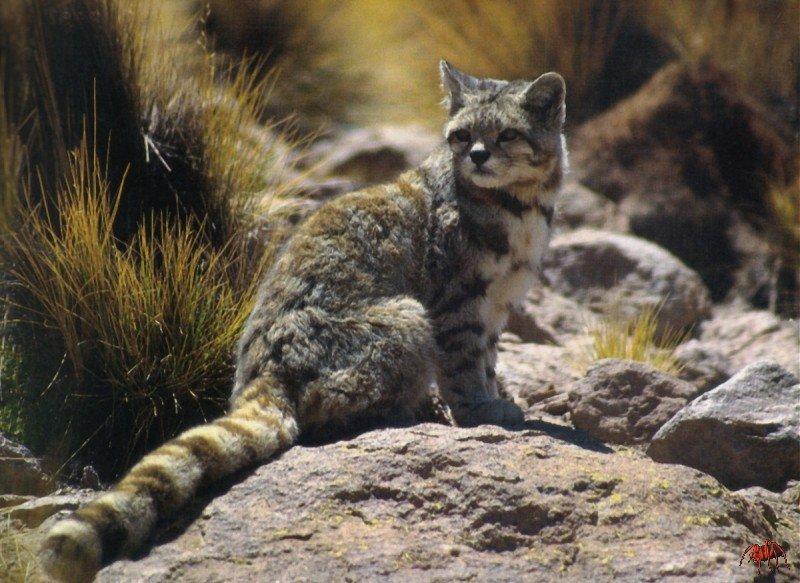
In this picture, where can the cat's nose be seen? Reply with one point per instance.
(479, 155)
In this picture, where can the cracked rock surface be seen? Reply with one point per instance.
(437, 503)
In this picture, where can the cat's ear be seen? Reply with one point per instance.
(544, 99)
(455, 83)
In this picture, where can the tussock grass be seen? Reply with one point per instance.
(146, 329)
(756, 41)
(11, 160)
(189, 144)
(131, 267)
(634, 338)
(518, 39)
(401, 43)
(784, 201)
(295, 42)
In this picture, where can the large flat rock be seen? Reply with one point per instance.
(436, 503)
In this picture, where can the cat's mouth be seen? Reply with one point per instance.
(481, 171)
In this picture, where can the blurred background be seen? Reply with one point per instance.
(154, 154)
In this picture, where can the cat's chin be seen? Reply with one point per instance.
(486, 180)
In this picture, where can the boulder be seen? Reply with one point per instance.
(702, 364)
(746, 432)
(21, 472)
(7, 500)
(374, 154)
(546, 310)
(525, 326)
(615, 273)
(746, 336)
(36, 511)
(437, 503)
(620, 401)
(579, 206)
(534, 374)
(770, 503)
(685, 158)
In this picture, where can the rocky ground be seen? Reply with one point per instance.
(622, 473)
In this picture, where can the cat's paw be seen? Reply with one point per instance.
(495, 412)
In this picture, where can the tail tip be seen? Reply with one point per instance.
(71, 552)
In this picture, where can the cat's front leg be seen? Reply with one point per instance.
(466, 375)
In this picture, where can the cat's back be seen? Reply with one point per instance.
(365, 244)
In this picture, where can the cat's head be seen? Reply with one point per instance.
(504, 133)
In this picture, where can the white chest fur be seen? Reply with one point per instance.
(511, 275)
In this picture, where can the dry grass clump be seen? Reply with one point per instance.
(129, 267)
(146, 329)
(189, 145)
(295, 42)
(639, 338)
(510, 39)
(18, 562)
(754, 40)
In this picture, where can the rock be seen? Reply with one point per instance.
(375, 154)
(702, 365)
(746, 336)
(557, 405)
(554, 314)
(746, 432)
(612, 273)
(36, 511)
(685, 158)
(7, 500)
(437, 503)
(523, 324)
(89, 479)
(535, 373)
(765, 500)
(579, 206)
(626, 402)
(20, 471)
(791, 495)
(320, 189)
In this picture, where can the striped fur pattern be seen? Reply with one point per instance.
(378, 294)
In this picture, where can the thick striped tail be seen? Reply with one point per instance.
(118, 522)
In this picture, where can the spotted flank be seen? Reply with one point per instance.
(377, 295)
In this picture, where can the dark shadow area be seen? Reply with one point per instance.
(568, 435)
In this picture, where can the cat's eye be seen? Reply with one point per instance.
(460, 135)
(508, 135)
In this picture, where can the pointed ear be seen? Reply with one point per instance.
(544, 99)
(455, 83)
